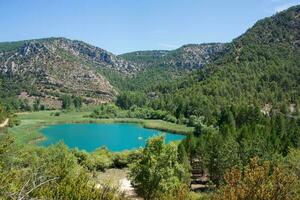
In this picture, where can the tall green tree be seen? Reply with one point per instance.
(66, 101)
(77, 101)
(36, 104)
(158, 171)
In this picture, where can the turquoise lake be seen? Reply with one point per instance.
(116, 137)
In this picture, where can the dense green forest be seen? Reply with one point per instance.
(260, 68)
(244, 107)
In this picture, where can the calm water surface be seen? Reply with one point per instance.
(116, 137)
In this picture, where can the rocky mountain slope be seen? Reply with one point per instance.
(263, 60)
(187, 57)
(163, 66)
(56, 66)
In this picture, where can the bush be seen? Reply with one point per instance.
(98, 160)
(170, 118)
(46, 173)
(105, 111)
(120, 160)
(56, 114)
(259, 181)
(14, 121)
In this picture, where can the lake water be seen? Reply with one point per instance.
(116, 137)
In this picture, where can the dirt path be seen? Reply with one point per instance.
(5, 123)
(126, 187)
(118, 178)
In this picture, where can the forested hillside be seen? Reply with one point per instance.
(187, 57)
(244, 107)
(47, 69)
(260, 68)
(239, 102)
(160, 66)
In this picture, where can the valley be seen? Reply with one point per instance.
(230, 111)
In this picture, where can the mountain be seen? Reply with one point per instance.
(51, 67)
(161, 66)
(261, 67)
(186, 57)
(56, 66)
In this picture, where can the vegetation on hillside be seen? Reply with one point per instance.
(260, 68)
(243, 107)
(187, 57)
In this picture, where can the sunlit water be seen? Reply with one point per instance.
(116, 137)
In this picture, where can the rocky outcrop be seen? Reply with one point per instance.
(186, 57)
(59, 65)
(56, 66)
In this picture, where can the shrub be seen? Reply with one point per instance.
(170, 118)
(105, 111)
(259, 181)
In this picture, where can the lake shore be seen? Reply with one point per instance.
(32, 122)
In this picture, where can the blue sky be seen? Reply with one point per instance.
(122, 26)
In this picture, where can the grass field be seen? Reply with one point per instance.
(31, 123)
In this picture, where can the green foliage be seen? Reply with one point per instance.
(224, 101)
(51, 173)
(242, 133)
(37, 104)
(158, 171)
(105, 111)
(13, 120)
(66, 101)
(259, 68)
(77, 101)
(99, 160)
(3, 113)
(145, 57)
(169, 118)
(102, 159)
(69, 101)
(56, 114)
(147, 113)
(10, 46)
(218, 154)
(183, 159)
(10, 87)
(129, 99)
(112, 111)
(293, 161)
